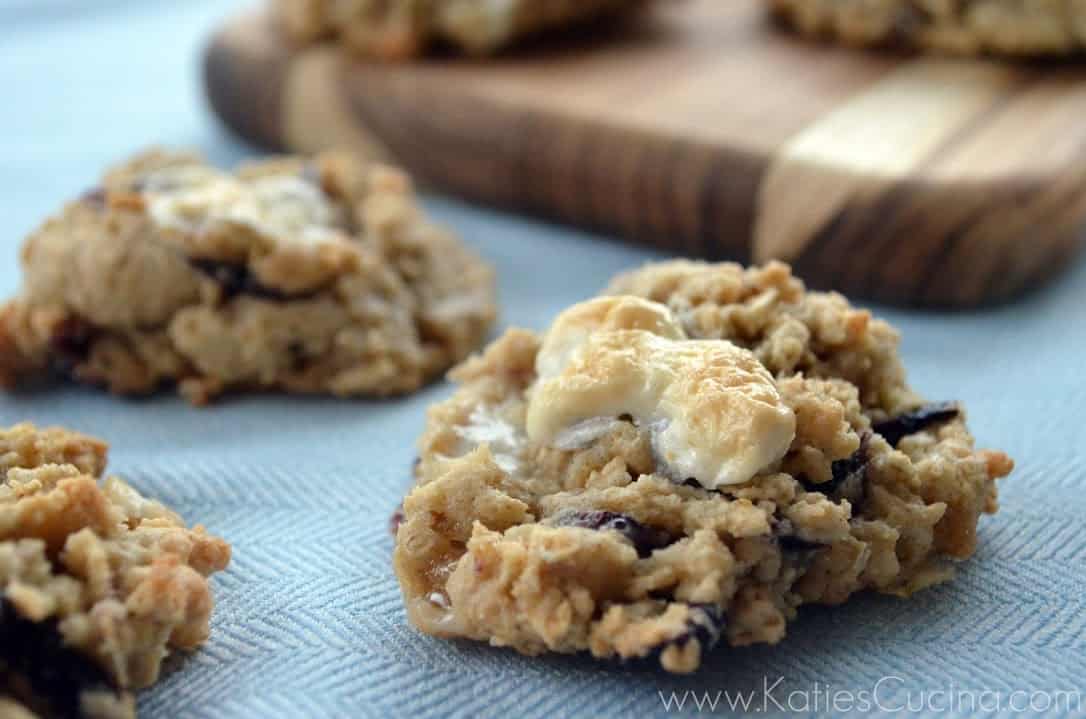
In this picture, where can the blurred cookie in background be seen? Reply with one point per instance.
(965, 27)
(401, 29)
(301, 275)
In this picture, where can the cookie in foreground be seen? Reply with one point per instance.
(964, 27)
(401, 29)
(97, 583)
(684, 460)
(302, 275)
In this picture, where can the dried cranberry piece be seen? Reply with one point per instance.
(792, 543)
(848, 481)
(237, 280)
(396, 520)
(71, 342)
(848, 476)
(705, 623)
(72, 338)
(644, 538)
(785, 534)
(919, 419)
(94, 197)
(56, 674)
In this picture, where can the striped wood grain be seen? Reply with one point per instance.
(701, 129)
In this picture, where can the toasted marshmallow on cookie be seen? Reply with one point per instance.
(198, 199)
(713, 410)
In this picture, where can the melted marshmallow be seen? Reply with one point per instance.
(193, 198)
(713, 410)
(487, 427)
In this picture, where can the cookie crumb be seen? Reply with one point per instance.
(98, 584)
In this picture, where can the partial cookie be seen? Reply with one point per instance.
(310, 276)
(97, 583)
(967, 27)
(400, 29)
(686, 459)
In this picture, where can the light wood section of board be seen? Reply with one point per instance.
(703, 130)
(867, 147)
(315, 114)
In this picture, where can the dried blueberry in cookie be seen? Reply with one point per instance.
(689, 457)
(97, 583)
(300, 275)
(401, 29)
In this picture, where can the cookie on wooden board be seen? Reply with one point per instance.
(401, 29)
(965, 27)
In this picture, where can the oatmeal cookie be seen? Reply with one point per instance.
(97, 583)
(966, 27)
(685, 459)
(304, 275)
(400, 29)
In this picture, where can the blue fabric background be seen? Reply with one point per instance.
(309, 620)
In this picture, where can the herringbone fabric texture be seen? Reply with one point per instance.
(309, 621)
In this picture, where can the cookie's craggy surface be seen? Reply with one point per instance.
(316, 276)
(400, 29)
(970, 27)
(592, 538)
(97, 583)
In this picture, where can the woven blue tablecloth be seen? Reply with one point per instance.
(309, 620)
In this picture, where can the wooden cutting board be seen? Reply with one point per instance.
(702, 129)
